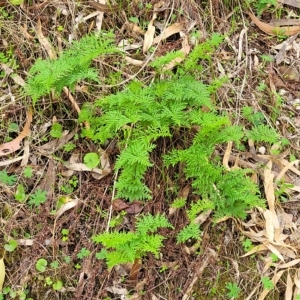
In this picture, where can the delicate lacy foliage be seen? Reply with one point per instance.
(127, 246)
(263, 133)
(192, 231)
(73, 65)
(139, 116)
(229, 193)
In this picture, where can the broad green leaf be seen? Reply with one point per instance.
(41, 265)
(91, 160)
(11, 246)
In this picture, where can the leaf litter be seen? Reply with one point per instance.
(271, 230)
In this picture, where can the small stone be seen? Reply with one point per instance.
(262, 150)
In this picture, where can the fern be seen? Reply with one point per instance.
(127, 246)
(72, 66)
(192, 231)
(138, 117)
(263, 133)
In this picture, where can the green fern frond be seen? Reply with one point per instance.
(115, 239)
(198, 207)
(149, 223)
(191, 231)
(73, 65)
(263, 133)
(126, 247)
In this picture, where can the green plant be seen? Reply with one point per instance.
(267, 283)
(128, 246)
(68, 147)
(255, 118)
(56, 130)
(58, 285)
(247, 245)
(67, 259)
(11, 245)
(83, 253)
(27, 172)
(72, 66)
(65, 233)
(274, 257)
(38, 197)
(192, 231)
(54, 265)
(91, 160)
(261, 5)
(178, 203)
(233, 289)
(7, 179)
(41, 265)
(20, 194)
(140, 116)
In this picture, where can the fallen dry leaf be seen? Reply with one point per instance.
(53, 146)
(149, 35)
(294, 3)
(269, 225)
(270, 192)
(119, 204)
(2, 273)
(174, 28)
(289, 73)
(133, 207)
(14, 145)
(68, 205)
(227, 155)
(274, 30)
(44, 41)
(185, 50)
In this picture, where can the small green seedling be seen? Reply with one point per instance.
(56, 130)
(7, 179)
(11, 245)
(41, 265)
(27, 173)
(83, 253)
(65, 233)
(54, 265)
(37, 198)
(20, 194)
(233, 289)
(91, 160)
(267, 283)
(247, 244)
(58, 285)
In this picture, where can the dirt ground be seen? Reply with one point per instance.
(256, 257)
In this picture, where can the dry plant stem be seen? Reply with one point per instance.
(212, 254)
(112, 199)
(72, 100)
(75, 105)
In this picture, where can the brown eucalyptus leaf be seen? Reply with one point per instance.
(44, 41)
(14, 145)
(274, 30)
(135, 207)
(119, 205)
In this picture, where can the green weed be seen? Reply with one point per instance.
(128, 246)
